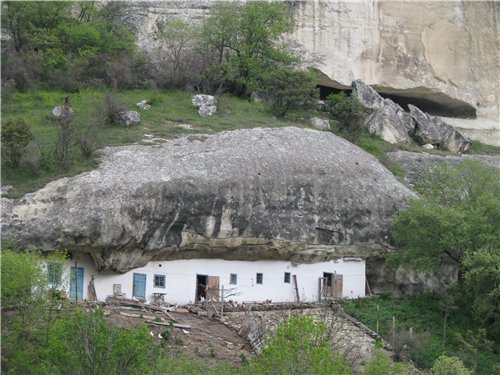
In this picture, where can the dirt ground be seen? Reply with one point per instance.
(206, 339)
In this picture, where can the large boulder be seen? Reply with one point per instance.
(433, 130)
(391, 123)
(367, 96)
(386, 119)
(245, 194)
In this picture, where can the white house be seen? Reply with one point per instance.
(186, 281)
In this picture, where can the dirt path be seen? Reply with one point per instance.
(206, 339)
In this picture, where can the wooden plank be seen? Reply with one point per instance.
(213, 288)
(176, 325)
(338, 285)
(296, 288)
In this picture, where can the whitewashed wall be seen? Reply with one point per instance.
(181, 278)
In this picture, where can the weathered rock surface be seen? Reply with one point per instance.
(415, 163)
(444, 53)
(207, 110)
(433, 130)
(320, 123)
(206, 104)
(201, 100)
(245, 194)
(128, 118)
(385, 119)
(143, 104)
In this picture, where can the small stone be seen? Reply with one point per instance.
(207, 110)
(204, 100)
(60, 111)
(428, 146)
(128, 118)
(143, 105)
(320, 123)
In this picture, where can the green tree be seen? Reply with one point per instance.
(246, 41)
(68, 48)
(299, 346)
(287, 88)
(445, 365)
(458, 212)
(16, 135)
(348, 111)
(482, 287)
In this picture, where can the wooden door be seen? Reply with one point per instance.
(338, 285)
(213, 288)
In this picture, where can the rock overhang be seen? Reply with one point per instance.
(265, 193)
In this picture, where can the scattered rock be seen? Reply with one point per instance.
(206, 104)
(128, 118)
(207, 110)
(5, 189)
(433, 130)
(320, 123)
(428, 146)
(202, 100)
(143, 105)
(62, 111)
(391, 123)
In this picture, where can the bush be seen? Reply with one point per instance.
(349, 113)
(445, 365)
(16, 135)
(110, 107)
(287, 88)
(299, 346)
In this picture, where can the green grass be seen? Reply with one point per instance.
(425, 315)
(169, 109)
(483, 149)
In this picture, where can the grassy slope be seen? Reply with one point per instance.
(425, 315)
(172, 108)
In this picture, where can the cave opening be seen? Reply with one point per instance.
(438, 105)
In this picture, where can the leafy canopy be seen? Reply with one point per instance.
(246, 40)
(458, 212)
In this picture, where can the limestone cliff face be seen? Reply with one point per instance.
(288, 193)
(444, 53)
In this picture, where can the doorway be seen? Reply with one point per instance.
(76, 283)
(201, 287)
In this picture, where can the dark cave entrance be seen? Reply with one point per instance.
(434, 104)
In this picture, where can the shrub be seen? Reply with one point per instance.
(287, 88)
(349, 112)
(445, 365)
(16, 135)
(299, 346)
(110, 107)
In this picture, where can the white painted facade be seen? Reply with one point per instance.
(181, 281)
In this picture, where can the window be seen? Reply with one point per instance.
(260, 278)
(233, 278)
(159, 281)
(54, 271)
(287, 277)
